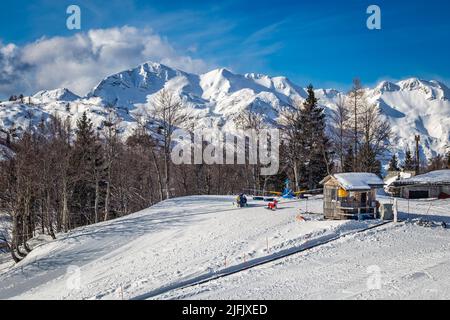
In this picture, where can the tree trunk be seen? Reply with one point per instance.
(14, 240)
(26, 222)
(296, 176)
(108, 192)
(49, 218)
(167, 174)
(158, 175)
(97, 196)
(65, 209)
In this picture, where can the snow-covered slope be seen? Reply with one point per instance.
(399, 262)
(166, 244)
(416, 107)
(152, 252)
(215, 98)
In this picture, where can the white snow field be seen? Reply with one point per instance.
(153, 253)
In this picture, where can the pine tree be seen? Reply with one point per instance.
(314, 141)
(89, 169)
(84, 132)
(393, 163)
(369, 160)
(409, 163)
(437, 162)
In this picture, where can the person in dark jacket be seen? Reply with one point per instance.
(243, 200)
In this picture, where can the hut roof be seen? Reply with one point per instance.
(430, 178)
(356, 181)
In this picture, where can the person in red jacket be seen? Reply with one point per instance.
(273, 205)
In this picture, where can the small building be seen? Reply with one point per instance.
(393, 176)
(434, 184)
(351, 195)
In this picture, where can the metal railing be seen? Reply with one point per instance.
(358, 212)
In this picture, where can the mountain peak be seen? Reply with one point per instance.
(155, 67)
(412, 84)
(219, 95)
(223, 72)
(387, 86)
(432, 89)
(60, 94)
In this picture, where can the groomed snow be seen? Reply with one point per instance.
(175, 240)
(193, 237)
(413, 263)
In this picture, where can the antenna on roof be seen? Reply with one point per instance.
(417, 138)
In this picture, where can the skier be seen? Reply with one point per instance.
(243, 200)
(238, 201)
(273, 205)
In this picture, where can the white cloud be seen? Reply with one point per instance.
(80, 61)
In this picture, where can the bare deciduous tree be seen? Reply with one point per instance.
(355, 99)
(340, 129)
(167, 110)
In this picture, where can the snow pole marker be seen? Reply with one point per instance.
(395, 210)
(120, 292)
(431, 204)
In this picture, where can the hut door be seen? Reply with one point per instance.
(363, 198)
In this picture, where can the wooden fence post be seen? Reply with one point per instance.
(395, 210)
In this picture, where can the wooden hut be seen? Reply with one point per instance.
(351, 195)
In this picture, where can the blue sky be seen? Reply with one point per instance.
(322, 42)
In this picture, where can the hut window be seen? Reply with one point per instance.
(333, 194)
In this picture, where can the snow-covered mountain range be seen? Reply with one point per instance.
(215, 98)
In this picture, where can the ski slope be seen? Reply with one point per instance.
(413, 263)
(153, 252)
(411, 259)
(172, 241)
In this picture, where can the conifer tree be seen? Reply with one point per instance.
(409, 163)
(88, 168)
(393, 163)
(314, 141)
(369, 161)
